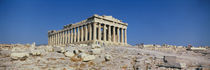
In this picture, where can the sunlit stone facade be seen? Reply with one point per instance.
(104, 30)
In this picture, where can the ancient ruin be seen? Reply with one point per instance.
(103, 30)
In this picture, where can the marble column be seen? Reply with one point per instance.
(52, 40)
(75, 29)
(48, 39)
(118, 34)
(72, 32)
(56, 39)
(125, 36)
(66, 36)
(113, 34)
(69, 34)
(122, 35)
(99, 32)
(86, 33)
(104, 31)
(59, 38)
(78, 34)
(109, 33)
(61, 34)
(90, 31)
(94, 32)
(82, 32)
(63, 38)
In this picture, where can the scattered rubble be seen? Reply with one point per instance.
(96, 57)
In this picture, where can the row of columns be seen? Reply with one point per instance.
(92, 32)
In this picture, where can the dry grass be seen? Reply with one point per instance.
(62, 58)
(103, 62)
(91, 63)
(82, 65)
(74, 59)
(124, 67)
(51, 59)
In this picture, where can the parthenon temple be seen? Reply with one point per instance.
(103, 30)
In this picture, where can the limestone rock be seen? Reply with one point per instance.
(95, 46)
(5, 53)
(77, 51)
(108, 57)
(83, 45)
(33, 44)
(49, 49)
(95, 51)
(86, 57)
(37, 52)
(59, 49)
(22, 55)
(183, 65)
(17, 49)
(69, 54)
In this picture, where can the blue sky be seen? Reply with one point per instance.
(175, 22)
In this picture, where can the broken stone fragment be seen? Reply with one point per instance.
(95, 46)
(59, 49)
(22, 55)
(95, 51)
(33, 44)
(170, 62)
(49, 49)
(183, 65)
(107, 57)
(137, 68)
(37, 52)
(5, 53)
(83, 45)
(69, 54)
(77, 51)
(86, 57)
